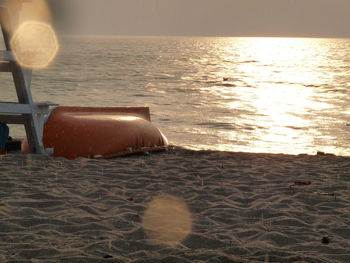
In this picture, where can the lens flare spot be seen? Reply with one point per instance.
(167, 220)
(34, 44)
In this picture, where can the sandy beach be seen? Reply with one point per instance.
(234, 207)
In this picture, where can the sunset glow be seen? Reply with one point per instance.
(274, 78)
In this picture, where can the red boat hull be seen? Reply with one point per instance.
(93, 132)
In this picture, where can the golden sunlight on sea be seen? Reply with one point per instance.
(276, 80)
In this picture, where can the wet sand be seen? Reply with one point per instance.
(239, 207)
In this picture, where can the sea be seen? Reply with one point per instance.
(264, 95)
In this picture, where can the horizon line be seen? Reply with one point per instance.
(196, 36)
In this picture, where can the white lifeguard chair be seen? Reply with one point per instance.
(25, 111)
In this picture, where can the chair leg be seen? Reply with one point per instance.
(33, 132)
(33, 122)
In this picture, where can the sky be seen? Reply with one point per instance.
(255, 18)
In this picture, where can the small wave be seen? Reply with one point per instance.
(142, 95)
(249, 61)
(210, 82)
(335, 90)
(229, 79)
(228, 85)
(164, 78)
(249, 128)
(312, 85)
(217, 125)
(296, 128)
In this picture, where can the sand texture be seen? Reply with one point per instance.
(217, 207)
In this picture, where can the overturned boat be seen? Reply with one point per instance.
(100, 132)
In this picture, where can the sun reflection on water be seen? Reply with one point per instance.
(271, 90)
